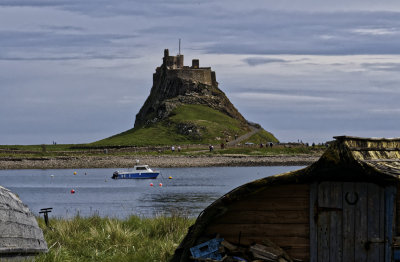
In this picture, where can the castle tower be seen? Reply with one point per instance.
(172, 62)
(195, 63)
(173, 66)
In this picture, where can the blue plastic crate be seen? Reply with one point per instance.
(207, 249)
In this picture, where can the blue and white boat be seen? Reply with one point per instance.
(139, 171)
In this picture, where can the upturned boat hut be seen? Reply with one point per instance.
(20, 236)
(344, 207)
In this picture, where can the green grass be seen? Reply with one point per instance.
(262, 137)
(193, 150)
(38, 148)
(107, 239)
(256, 150)
(211, 124)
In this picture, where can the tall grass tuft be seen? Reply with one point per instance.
(109, 239)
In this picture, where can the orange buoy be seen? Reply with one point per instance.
(160, 184)
(74, 173)
(151, 184)
(72, 191)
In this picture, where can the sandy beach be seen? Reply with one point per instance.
(155, 161)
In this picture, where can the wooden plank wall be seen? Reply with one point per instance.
(280, 214)
(397, 217)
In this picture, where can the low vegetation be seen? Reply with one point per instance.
(187, 124)
(109, 239)
(32, 152)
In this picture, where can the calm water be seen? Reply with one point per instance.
(188, 192)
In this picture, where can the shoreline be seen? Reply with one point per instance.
(155, 161)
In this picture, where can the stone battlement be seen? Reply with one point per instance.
(173, 66)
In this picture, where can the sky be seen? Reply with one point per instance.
(78, 71)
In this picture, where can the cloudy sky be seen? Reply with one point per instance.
(77, 71)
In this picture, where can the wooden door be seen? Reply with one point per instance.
(351, 222)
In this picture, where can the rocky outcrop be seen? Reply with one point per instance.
(169, 91)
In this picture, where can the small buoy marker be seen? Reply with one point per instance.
(170, 177)
(160, 184)
(51, 175)
(75, 173)
(72, 191)
(151, 184)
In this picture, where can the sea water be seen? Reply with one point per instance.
(188, 192)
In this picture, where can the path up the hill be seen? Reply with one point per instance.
(253, 131)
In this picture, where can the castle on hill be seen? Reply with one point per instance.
(173, 66)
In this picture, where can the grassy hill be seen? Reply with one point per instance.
(187, 124)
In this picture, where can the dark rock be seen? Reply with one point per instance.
(173, 87)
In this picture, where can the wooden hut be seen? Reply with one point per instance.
(341, 208)
(20, 236)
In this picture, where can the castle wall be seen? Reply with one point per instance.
(175, 68)
(202, 75)
(174, 62)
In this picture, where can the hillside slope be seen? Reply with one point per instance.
(187, 124)
(185, 106)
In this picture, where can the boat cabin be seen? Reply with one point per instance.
(344, 207)
(142, 168)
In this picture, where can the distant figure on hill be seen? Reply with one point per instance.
(172, 149)
(179, 148)
(261, 145)
(222, 145)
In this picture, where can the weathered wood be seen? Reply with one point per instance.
(19, 231)
(323, 221)
(361, 225)
(397, 217)
(373, 222)
(272, 204)
(264, 216)
(366, 228)
(313, 227)
(390, 195)
(284, 191)
(348, 224)
(249, 230)
(228, 245)
(280, 214)
(381, 242)
(335, 232)
(263, 252)
(384, 149)
(298, 253)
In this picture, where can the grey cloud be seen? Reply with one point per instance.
(67, 58)
(382, 66)
(257, 31)
(41, 39)
(254, 61)
(32, 3)
(301, 33)
(83, 91)
(68, 28)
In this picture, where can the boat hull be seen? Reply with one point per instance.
(128, 175)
